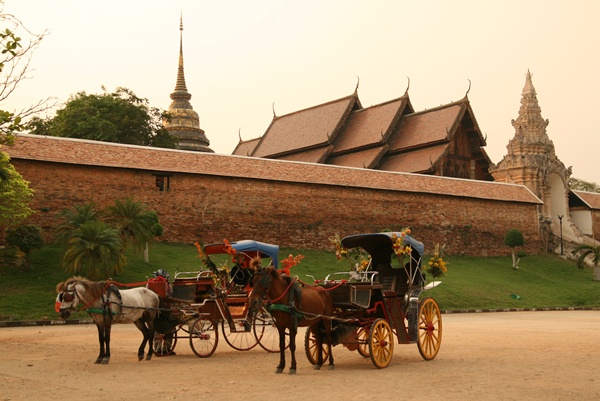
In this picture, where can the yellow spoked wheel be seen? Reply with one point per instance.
(381, 343)
(311, 349)
(430, 329)
(363, 341)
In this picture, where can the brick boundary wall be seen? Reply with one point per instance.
(296, 215)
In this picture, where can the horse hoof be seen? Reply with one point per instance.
(317, 367)
(278, 370)
(140, 357)
(292, 372)
(331, 367)
(149, 357)
(105, 361)
(98, 361)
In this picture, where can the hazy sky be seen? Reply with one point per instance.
(243, 56)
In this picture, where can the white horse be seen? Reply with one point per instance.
(107, 305)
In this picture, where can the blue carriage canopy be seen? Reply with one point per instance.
(249, 248)
(379, 245)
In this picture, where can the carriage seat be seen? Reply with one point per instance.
(391, 279)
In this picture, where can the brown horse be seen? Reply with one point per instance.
(293, 306)
(107, 305)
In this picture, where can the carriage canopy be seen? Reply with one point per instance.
(249, 248)
(379, 245)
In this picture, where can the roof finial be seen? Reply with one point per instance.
(407, 85)
(274, 115)
(357, 83)
(240, 133)
(468, 90)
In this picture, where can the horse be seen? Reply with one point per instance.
(292, 306)
(107, 305)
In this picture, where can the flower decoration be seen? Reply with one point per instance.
(339, 249)
(358, 258)
(289, 262)
(236, 258)
(400, 248)
(437, 266)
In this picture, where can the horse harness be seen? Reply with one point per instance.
(294, 290)
(69, 296)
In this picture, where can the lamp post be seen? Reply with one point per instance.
(560, 217)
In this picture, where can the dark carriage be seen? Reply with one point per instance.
(380, 302)
(201, 301)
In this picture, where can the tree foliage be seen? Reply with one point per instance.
(133, 221)
(75, 218)
(87, 236)
(581, 185)
(513, 239)
(15, 194)
(119, 117)
(94, 250)
(25, 238)
(583, 251)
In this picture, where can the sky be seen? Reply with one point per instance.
(245, 59)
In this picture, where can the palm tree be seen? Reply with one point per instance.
(94, 250)
(133, 221)
(586, 250)
(74, 218)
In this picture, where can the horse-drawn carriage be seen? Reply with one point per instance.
(381, 301)
(370, 305)
(200, 301)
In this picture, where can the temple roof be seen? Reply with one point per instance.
(591, 199)
(389, 136)
(304, 129)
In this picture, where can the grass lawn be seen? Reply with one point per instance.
(542, 281)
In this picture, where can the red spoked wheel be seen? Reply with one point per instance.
(204, 337)
(164, 344)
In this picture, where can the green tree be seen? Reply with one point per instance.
(581, 185)
(94, 250)
(15, 194)
(119, 117)
(584, 251)
(25, 239)
(15, 55)
(513, 239)
(74, 218)
(134, 223)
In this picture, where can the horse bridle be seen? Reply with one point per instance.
(68, 296)
(265, 282)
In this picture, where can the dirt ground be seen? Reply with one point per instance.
(485, 356)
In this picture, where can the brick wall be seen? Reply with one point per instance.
(291, 214)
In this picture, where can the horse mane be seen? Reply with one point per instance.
(94, 288)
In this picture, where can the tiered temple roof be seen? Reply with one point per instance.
(390, 136)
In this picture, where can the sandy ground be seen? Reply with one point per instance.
(486, 356)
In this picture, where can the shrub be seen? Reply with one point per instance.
(25, 238)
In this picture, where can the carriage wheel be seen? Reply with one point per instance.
(241, 338)
(311, 350)
(363, 341)
(430, 329)
(266, 332)
(164, 344)
(204, 337)
(381, 343)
